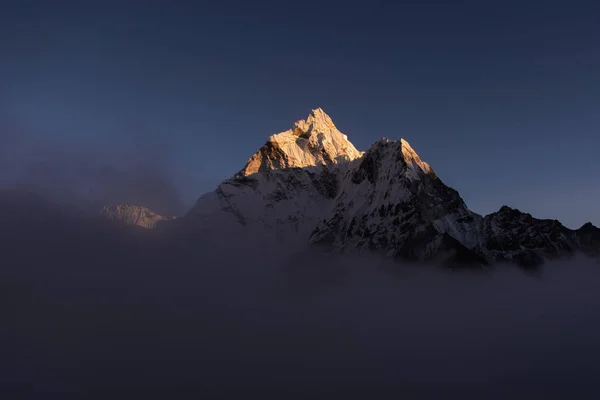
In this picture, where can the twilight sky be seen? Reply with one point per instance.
(501, 98)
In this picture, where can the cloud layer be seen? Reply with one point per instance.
(103, 312)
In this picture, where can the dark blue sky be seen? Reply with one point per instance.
(501, 98)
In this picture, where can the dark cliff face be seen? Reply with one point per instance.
(325, 182)
(368, 166)
(588, 237)
(511, 235)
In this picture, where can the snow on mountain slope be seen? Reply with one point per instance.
(310, 142)
(287, 203)
(393, 202)
(325, 191)
(286, 187)
(310, 185)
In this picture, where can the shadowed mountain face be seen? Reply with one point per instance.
(589, 238)
(511, 235)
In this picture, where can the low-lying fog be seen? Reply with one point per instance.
(96, 313)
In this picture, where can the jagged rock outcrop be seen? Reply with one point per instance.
(511, 235)
(393, 202)
(310, 185)
(588, 238)
(310, 142)
(133, 215)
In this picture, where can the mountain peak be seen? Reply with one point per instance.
(411, 157)
(319, 120)
(131, 214)
(311, 142)
(588, 225)
(400, 149)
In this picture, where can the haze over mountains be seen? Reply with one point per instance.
(236, 296)
(309, 185)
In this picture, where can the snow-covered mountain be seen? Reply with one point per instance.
(310, 185)
(311, 142)
(287, 186)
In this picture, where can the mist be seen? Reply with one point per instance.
(96, 310)
(133, 165)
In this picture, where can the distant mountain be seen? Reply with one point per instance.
(310, 185)
(32, 225)
(131, 214)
